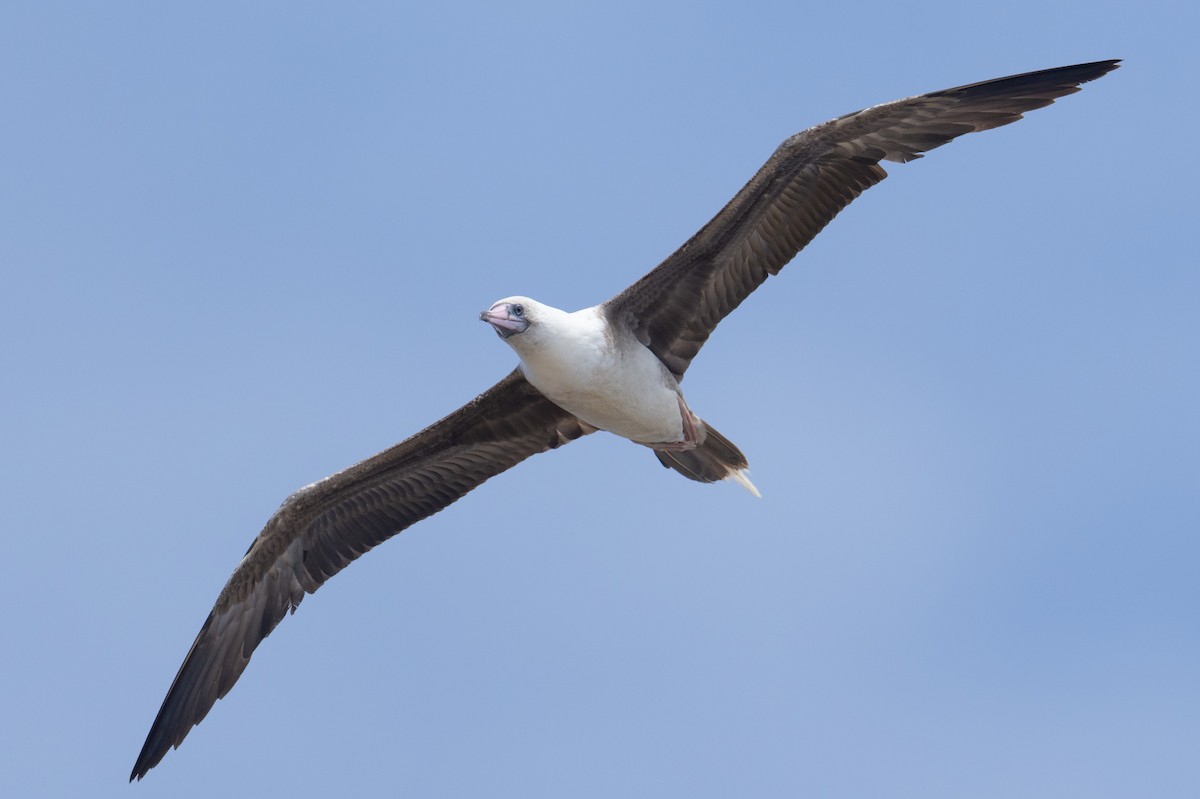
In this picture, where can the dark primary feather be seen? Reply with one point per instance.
(322, 528)
(806, 182)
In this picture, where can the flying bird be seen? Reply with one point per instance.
(616, 366)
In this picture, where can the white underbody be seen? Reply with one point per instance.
(610, 382)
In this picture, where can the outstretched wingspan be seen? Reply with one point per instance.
(672, 311)
(323, 527)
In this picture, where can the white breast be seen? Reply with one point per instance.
(611, 382)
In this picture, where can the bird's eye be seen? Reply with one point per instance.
(518, 310)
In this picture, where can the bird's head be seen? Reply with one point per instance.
(511, 316)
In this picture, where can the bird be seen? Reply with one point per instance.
(615, 367)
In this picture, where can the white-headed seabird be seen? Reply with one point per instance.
(616, 367)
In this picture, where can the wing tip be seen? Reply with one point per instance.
(156, 747)
(1094, 70)
(147, 760)
(1067, 80)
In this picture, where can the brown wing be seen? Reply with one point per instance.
(809, 179)
(323, 527)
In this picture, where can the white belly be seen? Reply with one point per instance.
(625, 390)
(648, 414)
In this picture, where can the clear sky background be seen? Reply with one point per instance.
(244, 245)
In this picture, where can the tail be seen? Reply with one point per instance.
(715, 459)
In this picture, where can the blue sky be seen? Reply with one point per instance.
(245, 246)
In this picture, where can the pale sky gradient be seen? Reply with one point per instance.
(245, 245)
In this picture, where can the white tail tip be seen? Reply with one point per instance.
(742, 478)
